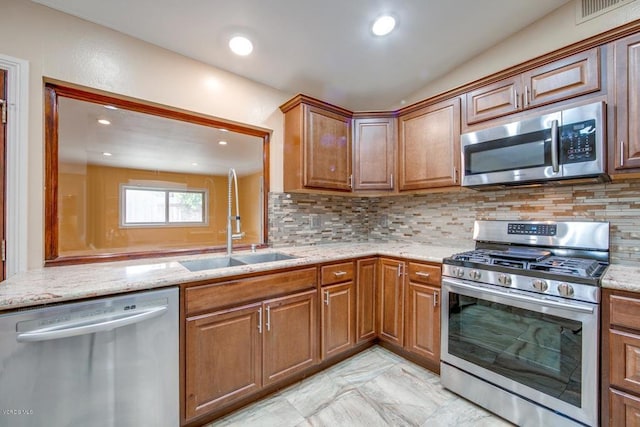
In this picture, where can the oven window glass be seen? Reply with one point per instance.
(538, 350)
(518, 156)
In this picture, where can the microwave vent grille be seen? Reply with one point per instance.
(589, 9)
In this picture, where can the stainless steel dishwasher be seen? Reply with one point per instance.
(103, 362)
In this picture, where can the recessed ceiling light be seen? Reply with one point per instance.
(110, 107)
(194, 164)
(107, 154)
(241, 45)
(223, 130)
(222, 142)
(104, 122)
(383, 25)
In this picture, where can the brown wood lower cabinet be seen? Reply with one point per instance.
(366, 282)
(423, 321)
(338, 318)
(423, 312)
(231, 353)
(620, 359)
(391, 301)
(290, 338)
(625, 409)
(223, 358)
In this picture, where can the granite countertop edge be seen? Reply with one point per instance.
(52, 285)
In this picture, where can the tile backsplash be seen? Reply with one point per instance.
(447, 218)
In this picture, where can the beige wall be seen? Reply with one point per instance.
(554, 31)
(62, 47)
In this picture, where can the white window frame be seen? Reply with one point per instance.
(167, 223)
(17, 165)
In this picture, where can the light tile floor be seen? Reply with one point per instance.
(373, 388)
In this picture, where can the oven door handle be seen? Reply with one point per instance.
(517, 296)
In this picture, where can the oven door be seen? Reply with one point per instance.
(516, 152)
(544, 350)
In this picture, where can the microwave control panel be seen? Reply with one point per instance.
(578, 142)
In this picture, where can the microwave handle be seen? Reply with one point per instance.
(554, 146)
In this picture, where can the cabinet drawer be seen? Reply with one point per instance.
(625, 360)
(625, 312)
(625, 409)
(424, 273)
(236, 292)
(336, 273)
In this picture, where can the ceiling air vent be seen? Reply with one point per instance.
(589, 9)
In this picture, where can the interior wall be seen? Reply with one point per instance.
(69, 49)
(90, 210)
(556, 30)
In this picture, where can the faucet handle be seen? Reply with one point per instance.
(238, 236)
(253, 247)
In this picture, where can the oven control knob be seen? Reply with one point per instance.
(475, 274)
(540, 285)
(565, 290)
(504, 280)
(459, 272)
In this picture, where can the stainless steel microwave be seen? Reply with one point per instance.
(562, 145)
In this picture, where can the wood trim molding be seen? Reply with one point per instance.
(304, 99)
(52, 91)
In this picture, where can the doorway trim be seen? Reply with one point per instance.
(16, 179)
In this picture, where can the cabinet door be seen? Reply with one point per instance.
(390, 300)
(327, 150)
(624, 360)
(290, 335)
(222, 358)
(338, 318)
(626, 153)
(429, 146)
(563, 79)
(493, 100)
(423, 321)
(374, 153)
(367, 277)
(625, 409)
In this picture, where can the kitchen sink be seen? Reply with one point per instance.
(210, 263)
(233, 261)
(264, 257)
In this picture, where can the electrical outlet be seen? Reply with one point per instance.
(314, 221)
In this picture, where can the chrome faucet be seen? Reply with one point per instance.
(233, 178)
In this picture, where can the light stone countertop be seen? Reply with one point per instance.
(65, 283)
(622, 277)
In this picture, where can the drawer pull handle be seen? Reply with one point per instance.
(435, 299)
(423, 274)
(339, 273)
(260, 320)
(326, 298)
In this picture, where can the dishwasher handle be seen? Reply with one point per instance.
(81, 328)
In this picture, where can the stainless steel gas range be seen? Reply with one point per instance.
(520, 320)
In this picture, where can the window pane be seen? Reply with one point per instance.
(144, 206)
(186, 207)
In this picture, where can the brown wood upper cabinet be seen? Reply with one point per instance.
(374, 153)
(625, 149)
(317, 145)
(566, 78)
(429, 146)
